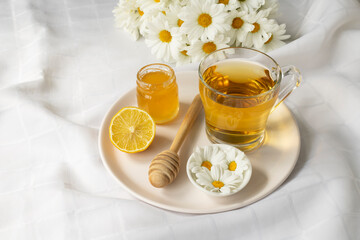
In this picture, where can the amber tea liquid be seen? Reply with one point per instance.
(237, 111)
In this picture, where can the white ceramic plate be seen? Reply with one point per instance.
(272, 163)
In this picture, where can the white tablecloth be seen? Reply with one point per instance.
(62, 65)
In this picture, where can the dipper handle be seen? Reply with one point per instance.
(187, 123)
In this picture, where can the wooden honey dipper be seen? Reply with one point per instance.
(165, 166)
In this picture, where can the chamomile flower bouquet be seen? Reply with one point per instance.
(184, 31)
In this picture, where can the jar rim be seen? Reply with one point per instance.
(153, 67)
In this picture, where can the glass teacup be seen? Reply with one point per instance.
(239, 88)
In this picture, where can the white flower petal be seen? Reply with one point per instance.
(225, 189)
(196, 169)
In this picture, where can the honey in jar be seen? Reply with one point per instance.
(157, 92)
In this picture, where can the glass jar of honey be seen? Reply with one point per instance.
(157, 92)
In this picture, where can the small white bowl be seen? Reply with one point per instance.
(225, 148)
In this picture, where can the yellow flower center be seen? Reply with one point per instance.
(237, 23)
(180, 22)
(206, 164)
(232, 166)
(184, 52)
(140, 12)
(209, 47)
(217, 184)
(204, 20)
(157, 1)
(225, 2)
(269, 40)
(165, 36)
(164, 12)
(256, 28)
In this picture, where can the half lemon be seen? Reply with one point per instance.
(132, 130)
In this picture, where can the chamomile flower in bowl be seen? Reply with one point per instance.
(205, 157)
(237, 161)
(219, 169)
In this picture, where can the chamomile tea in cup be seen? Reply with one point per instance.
(239, 88)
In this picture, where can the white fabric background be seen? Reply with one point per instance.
(62, 65)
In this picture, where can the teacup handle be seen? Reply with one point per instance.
(291, 79)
